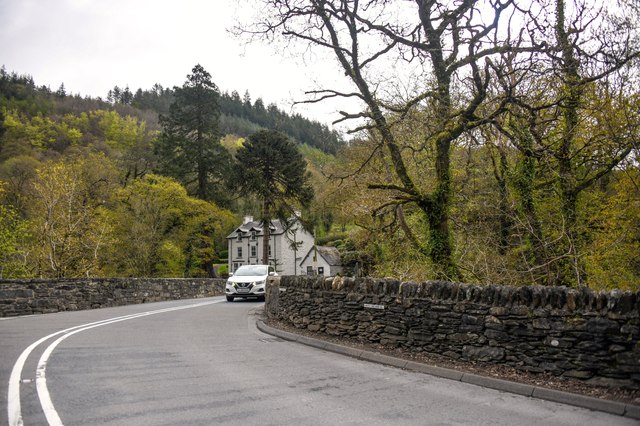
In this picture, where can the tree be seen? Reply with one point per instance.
(271, 167)
(61, 92)
(573, 112)
(246, 100)
(114, 95)
(158, 230)
(189, 148)
(127, 140)
(67, 212)
(126, 97)
(446, 52)
(142, 221)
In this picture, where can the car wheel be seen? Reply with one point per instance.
(229, 298)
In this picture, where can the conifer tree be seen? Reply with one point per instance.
(271, 167)
(189, 148)
(61, 92)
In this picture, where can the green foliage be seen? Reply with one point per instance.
(241, 117)
(171, 260)
(612, 258)
(315, 156)
(20, 92)
(25, 135)
(223, 270)
(158, 230)
(157, 98)
(67, 212)
(14, 232)
(270, 166)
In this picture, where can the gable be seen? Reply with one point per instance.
(245, 229)
(330, 255)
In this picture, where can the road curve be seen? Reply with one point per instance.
(203, 362)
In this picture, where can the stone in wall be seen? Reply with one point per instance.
(572, 332)
(40, 296)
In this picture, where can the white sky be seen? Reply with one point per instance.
(93, 45)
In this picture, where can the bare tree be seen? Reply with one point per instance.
(435, 56)
(573, 111)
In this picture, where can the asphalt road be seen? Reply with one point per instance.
(205, 363)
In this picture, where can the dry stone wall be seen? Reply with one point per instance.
(26, 297)
(571, 332)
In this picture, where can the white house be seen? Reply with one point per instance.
(321, 260)
(286, 246)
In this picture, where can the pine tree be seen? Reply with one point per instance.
(126, 97)
(189, 148)
(61, 92)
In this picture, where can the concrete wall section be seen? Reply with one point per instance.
(571, 332)
(26, 297)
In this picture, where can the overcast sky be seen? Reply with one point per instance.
(93, 45)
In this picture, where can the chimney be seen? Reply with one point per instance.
(247, 219)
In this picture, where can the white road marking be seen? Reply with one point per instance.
(14, 410)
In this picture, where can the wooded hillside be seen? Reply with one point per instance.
(85, 188)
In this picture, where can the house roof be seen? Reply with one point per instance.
(246, 228)
(331, 255)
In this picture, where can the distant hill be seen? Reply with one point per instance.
(239, 116)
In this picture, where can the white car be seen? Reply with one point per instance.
(248, 281)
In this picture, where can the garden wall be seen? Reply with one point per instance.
(571, 332)
(26, 297)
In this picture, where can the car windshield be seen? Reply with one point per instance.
(245, 271)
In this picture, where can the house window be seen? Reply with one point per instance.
(254, 251)
(253, 235)
(239, 252)
(320, 270)
(269, 250)
(309, 270)
(239, 236)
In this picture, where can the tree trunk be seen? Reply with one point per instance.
(524, 183)
(500, 173)
(570, 102)
(266, 230)
(440, 244)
